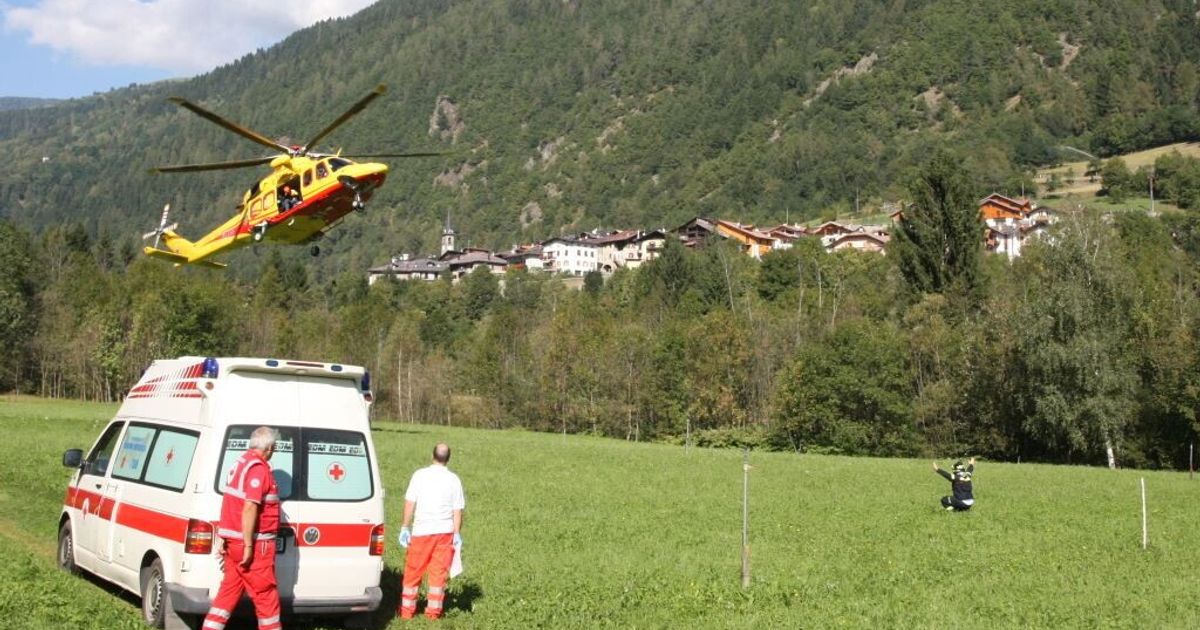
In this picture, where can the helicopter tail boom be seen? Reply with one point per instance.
(180, 251)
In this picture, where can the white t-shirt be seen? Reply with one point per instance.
(437, 493)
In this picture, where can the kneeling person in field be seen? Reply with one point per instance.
(960, 484)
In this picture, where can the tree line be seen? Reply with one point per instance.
(1082, 349)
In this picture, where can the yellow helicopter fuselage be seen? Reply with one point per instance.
(329, 188)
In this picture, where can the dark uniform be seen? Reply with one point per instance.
(960, 482)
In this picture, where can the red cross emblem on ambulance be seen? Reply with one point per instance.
(336, 472)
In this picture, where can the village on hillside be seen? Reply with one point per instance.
(1009, 223)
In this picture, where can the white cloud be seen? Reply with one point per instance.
(182, 36)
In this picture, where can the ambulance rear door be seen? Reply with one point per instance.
(324, 465)
(338, 500)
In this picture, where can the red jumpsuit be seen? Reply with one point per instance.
(249, 480)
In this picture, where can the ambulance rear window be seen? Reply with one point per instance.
(338, 467)
(335, 467)
(237, 440)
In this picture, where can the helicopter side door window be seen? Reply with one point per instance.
(256, 209)
(322, 171)
(307, 179)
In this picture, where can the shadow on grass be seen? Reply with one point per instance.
(461, 596)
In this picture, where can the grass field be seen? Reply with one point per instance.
(588, 532)
(1080, 187)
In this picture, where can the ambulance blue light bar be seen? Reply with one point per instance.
(210, 368)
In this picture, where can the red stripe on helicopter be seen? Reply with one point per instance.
(306, 208)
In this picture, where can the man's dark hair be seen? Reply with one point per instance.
(441, 454)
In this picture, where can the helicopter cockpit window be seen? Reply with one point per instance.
(337, 163)
(321, 170)
(254, 189)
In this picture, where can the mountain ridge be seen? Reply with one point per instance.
(628, 114)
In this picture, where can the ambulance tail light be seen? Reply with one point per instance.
(199, 537)
(377, 539)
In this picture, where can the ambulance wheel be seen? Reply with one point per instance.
(66, 549)
(154, 595)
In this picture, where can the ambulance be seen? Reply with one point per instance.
(143, 504)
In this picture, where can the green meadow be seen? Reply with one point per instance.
(589, 532)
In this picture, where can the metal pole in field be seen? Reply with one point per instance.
(745, 517)
(1191, 449)
(1145, 533)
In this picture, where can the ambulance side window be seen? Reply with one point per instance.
(171, 458)
(97, 461)
(131, 457)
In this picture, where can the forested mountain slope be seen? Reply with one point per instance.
(17, 102)
(564, 115)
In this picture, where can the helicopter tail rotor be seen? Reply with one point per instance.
(162, 227)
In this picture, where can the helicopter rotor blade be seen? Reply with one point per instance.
(213, 166)
(354, 109)
(228, 124)
(394, 155)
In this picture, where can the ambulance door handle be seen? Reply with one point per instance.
(98, 486)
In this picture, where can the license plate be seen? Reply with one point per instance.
(280, 545)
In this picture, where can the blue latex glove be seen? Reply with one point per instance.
(458, 541)
(405, 536)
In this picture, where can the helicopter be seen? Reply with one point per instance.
(304, 196)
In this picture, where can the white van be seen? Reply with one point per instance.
(143, 505)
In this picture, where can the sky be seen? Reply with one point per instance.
(73, 48)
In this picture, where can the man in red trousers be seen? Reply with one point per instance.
(434, 505)
(249, 522)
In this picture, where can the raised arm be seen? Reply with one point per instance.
(938, 469)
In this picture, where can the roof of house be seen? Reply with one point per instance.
(836, 227)
(568, 240)
(878, 237)
(1018, 206)
(745, 230)
(404, 267)
(621, 236)
(477, 257)
(784, 230)
(519, 252)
